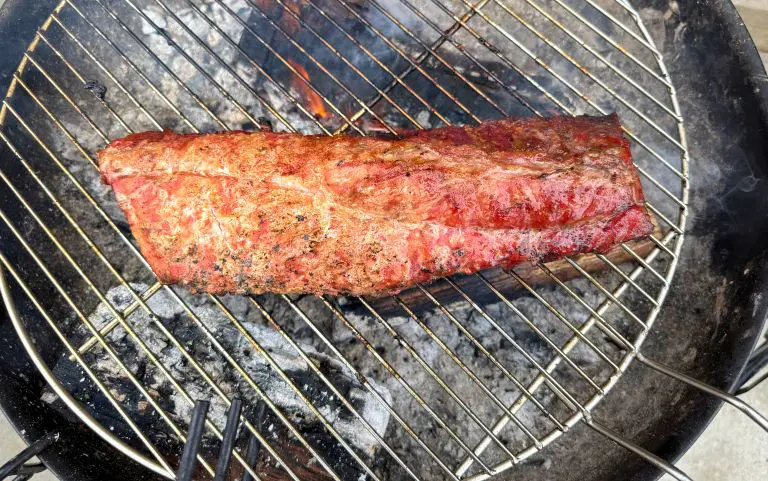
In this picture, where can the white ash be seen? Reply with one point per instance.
(385, 384)
(489, 337)
(240, 86)
(423, 118)
(162, 20)
(49, 397)
(277, 390)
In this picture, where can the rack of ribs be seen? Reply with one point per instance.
(252, 212)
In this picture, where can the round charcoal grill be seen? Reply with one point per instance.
(464, 378)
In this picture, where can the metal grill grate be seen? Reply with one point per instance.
(460, 379)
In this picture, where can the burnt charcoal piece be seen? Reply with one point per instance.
(96, 88)
(265, 124)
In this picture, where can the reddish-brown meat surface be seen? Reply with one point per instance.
(252, 212)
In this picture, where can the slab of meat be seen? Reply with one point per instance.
(244, 212)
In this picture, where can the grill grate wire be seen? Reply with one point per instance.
(73, 24)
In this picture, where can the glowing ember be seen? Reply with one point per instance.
(312, 101)
(277, 11)
(291, 22)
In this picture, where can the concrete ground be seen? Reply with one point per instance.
(733, 448)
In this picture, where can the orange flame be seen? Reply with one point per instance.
(291, 23)
(312, 101)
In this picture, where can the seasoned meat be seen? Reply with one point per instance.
(244, 212)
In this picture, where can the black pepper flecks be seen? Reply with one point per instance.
(300, 218)
(275, 247)
(96, 88)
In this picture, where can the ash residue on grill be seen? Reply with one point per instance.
(193, 340)
(210, 359)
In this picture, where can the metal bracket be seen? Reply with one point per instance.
(742, 406)
(16, 466)
(760, 357)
